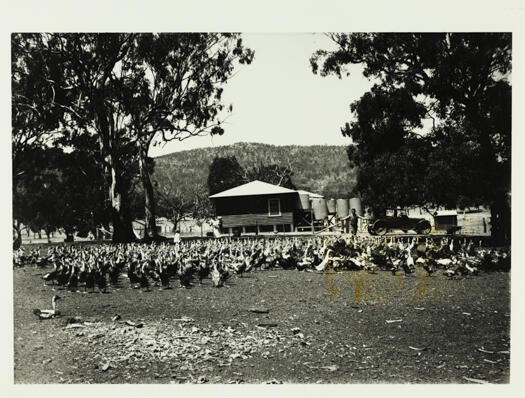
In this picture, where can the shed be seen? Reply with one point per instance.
(257, 207)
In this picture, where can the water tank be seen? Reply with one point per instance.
(355, 203)
(304, 201)
(320, 209)
(331, 204)
(342, 208)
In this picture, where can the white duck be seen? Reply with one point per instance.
(322, 265)
(48, 314)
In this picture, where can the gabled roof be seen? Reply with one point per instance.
(311, 194)
(253, 188)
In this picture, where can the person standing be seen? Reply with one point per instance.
(353, 220)
(176, 238)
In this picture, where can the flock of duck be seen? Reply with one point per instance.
(90, 267)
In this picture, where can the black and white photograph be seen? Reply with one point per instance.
(273, 207)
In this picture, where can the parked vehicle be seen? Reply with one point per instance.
(386, 224)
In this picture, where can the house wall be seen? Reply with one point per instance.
(256, 204)
(251, 219)
(241, 211)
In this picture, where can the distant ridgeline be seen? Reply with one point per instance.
(321, 169)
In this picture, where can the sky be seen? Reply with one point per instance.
(278, 100)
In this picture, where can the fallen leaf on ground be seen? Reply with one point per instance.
(75, 319)
(331, 368)
(259, 310)
(475, 380)
(485, 351)
(267, 325)
(75, 326)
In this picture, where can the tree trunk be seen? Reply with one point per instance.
(17, 236)
(498, 178)
(500, 220)
(150, 226)
(122, 227)
(108, 142)
(175, 224)
(70, 237)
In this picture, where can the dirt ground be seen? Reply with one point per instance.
(348, 327)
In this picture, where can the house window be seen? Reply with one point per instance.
(274, 207)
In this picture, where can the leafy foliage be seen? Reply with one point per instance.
(224, 173)
(461, 82)
(272, 174)
(58, 190)
(128, 90)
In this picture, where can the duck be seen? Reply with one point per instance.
(306, 260)
(215, 275)
(322, 265)
(143, 278)
(219, 275)
(422, 261)
(408, 264)
(48, 314)
(51, 276)
(164, 277)
(114, 273)
(185, 273)
(239, 264)
(100, 280)
(72, 283)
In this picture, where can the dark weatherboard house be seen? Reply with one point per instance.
(258, 207)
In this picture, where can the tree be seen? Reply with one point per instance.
(130, 89)
(37, 201)
(59, 190)
(272, 174)
(203, 209)
(80, 74)
(225, 173)
(462, 81)
(388, 156)
(174, 202)
(180, 80)
(33, 118)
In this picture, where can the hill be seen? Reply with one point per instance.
(318, 168)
